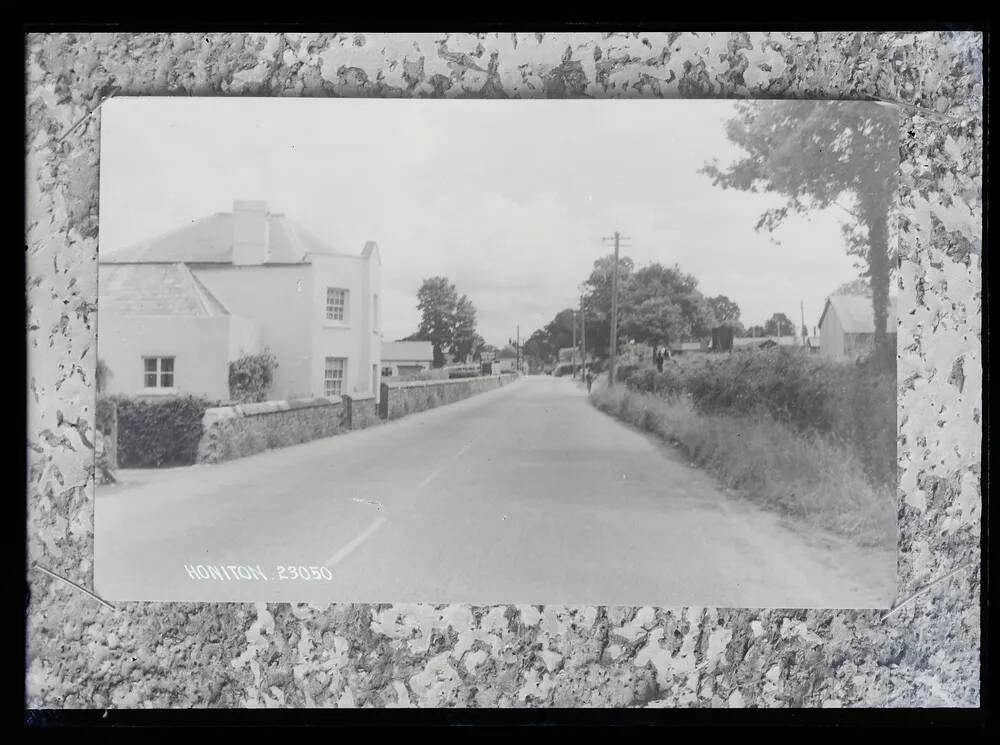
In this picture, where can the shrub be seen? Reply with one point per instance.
(623, 372)
(156, 433)
(250, 377)
(104, 413)
(852, 405)
(769, 462)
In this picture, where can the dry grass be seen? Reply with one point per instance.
(768, 462)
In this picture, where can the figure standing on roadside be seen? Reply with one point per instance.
(590, 379)
(658, 358)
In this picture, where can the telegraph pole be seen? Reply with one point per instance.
(583, 337)
(613, 351)
(574, 345)
(802, 311)
(517, 348)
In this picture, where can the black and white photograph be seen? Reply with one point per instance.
(582, 352)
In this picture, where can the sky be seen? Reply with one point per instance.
(508, 199)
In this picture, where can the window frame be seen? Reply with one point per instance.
(345, 318)
(327, 380)
(158, 372)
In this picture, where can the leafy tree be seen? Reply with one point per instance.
(663, 304)
(559, 330)
(855, 287)
(464, 336)
(478, 345)
(755, 331)
(447, 320)
(725, 310)
(779, 325)
(816, 154)
(537, 347)
(597, 300)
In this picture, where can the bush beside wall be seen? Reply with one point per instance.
(155, 433)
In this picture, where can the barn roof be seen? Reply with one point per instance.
(856, 314)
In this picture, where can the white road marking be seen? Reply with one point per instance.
(430, 478)
(367, 532)
(358, 540)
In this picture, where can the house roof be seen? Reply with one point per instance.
(155, 290)
(422, 351)
(856, 314)
(210, 241)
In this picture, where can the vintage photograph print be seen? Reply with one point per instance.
(570, 352)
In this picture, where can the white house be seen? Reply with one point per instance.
(847, 326)
(175, 310)
(406, 357)
(508, 359)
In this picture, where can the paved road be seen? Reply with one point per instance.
(526, 494)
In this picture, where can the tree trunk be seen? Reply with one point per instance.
(878, 266)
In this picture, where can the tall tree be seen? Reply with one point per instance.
(597, 300)
(538, 347)
(818, 154)
(663, 304)
(779, 325)
(447, 320)
(725, 310)
(856, 287)
(463, 333)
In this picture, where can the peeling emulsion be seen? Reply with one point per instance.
(82, 654)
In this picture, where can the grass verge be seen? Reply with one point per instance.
(768, 462)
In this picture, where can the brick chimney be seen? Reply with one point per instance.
(251, 233)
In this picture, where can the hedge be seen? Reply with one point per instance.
(853, 404)
(155, 433)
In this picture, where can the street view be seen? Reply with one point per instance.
(627, 353)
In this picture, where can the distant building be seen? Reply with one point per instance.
(688, 347)
(847, 327)
(507, 357)
(176, 309)
(406, 357)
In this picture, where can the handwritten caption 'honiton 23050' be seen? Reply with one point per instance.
(247, 573)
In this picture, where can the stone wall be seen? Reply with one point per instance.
(360, 411)
(400, 399)
(230, 432)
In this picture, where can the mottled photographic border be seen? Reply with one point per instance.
(84, 654)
